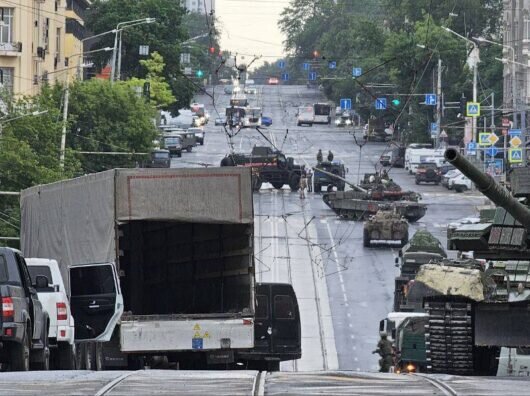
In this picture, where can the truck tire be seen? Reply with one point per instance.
(179, 154)
(294, 182)
(417, 181)
(42, 356)
(228, 161)
(366, 238)
(330, 188)
(189, 148)
(66, 357)
(20, 354)
(277, 186)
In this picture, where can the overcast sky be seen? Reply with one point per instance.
(250, 27)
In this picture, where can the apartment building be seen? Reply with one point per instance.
(75, 33)
(32, 44)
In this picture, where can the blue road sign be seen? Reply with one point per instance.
(285, 76)
(514, 132)
(312, 76)
(430, 99)
(492, 151)
(306, 66)
(281, 64)
(471, 148)
(332, 65)
(356, 71)
(345, 104)
(380, 104)
(434, 127)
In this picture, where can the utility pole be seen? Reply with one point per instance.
(474, 119)
(118, 74)
(439, 101)
(65, 123)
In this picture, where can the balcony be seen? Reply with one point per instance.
(10, 49)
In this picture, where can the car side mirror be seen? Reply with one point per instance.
(41, 282)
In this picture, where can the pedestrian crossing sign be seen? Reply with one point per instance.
(515, 155)
(473, 109)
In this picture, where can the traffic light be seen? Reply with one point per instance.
(463, 105)
(199, 73)
(396, 101)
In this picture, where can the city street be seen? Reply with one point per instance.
(344, 289)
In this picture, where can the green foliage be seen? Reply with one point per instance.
(161, 95)
(382, 38)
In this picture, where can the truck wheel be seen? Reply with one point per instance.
(42, 356)
(277, 186)
(20, 355)
(179, 154)
(294, 182)
(66, 357)
(330, 188)
(366, 238)
(202, 142)
(227, 161)
(318, 188)
(417, 181)
(188, 149)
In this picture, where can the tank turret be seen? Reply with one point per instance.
(487, 186)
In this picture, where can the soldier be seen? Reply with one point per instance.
(309, 180)
(330, 156)
(384, 349)
(319, 156)
(303, 184)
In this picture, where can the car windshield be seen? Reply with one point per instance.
(161, 155)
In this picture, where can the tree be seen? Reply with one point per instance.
(161, 95)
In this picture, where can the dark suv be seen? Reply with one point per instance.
(24, 323)
(428, 173)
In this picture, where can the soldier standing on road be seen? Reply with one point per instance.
(384, 349)
(320, 157)
(330, 156)
(303, 184)
(309, 180)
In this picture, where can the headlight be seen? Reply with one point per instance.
(348, 122)
(411, 368)
(337, 122)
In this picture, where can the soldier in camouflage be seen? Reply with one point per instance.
(385, 350)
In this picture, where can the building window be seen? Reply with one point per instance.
(6, 78)
(6, 25)
(57, 47)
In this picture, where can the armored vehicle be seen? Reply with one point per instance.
(473, 312)
(321, 179)
(268, 165)
(385, 226)
(160, 158)
(383, 188)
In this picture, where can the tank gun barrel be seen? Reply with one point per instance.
(340, 178)
(487, 186)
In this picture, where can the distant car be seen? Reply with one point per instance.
(249, 82)
(460, 183)
(338, 111)
(266, 121)
(446, 179)
(228, 90)
(273, 81)
(54, 300)
(160, 158)
(199, 134)
(343, 121)
(428, 173)
(251, 90)
(220, 121)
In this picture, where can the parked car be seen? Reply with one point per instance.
(448, 176)
(428, 173)
(228, 90)
(266, 121)
(24, 323)
(199, 134)
(273, 81)
(251, 90)
(160, 158)
(220, 121)
(460, 183)
(444, 168)
(54, 300)
(173, 143)
(343, 121)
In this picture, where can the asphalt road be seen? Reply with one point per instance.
(344, 289)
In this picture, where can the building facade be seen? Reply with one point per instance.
(32, 44)
(199, 6)
(75, 33)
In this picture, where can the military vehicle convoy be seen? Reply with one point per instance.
(474, 308)
(385, 226)
(268, 165)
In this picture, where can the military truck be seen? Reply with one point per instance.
(474, 311)
(321, 179)
(268, 165)
(385, 226)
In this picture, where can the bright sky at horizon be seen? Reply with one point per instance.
(250, 27)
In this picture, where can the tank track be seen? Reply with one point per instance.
(449, 337)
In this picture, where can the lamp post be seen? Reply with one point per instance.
(119, 27)
(475, 78)
(80, 60)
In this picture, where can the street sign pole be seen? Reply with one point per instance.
(438, 102)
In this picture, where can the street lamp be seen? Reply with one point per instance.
(80, 60)
(475, 77)
(119, 28)
(514, 98)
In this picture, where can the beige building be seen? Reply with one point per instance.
(32, 44)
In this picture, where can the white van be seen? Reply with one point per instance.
(55, 301)
(419, 156)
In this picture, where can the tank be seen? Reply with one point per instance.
(383, 188)
(385, 226)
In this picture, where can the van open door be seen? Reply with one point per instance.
(96, 301)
